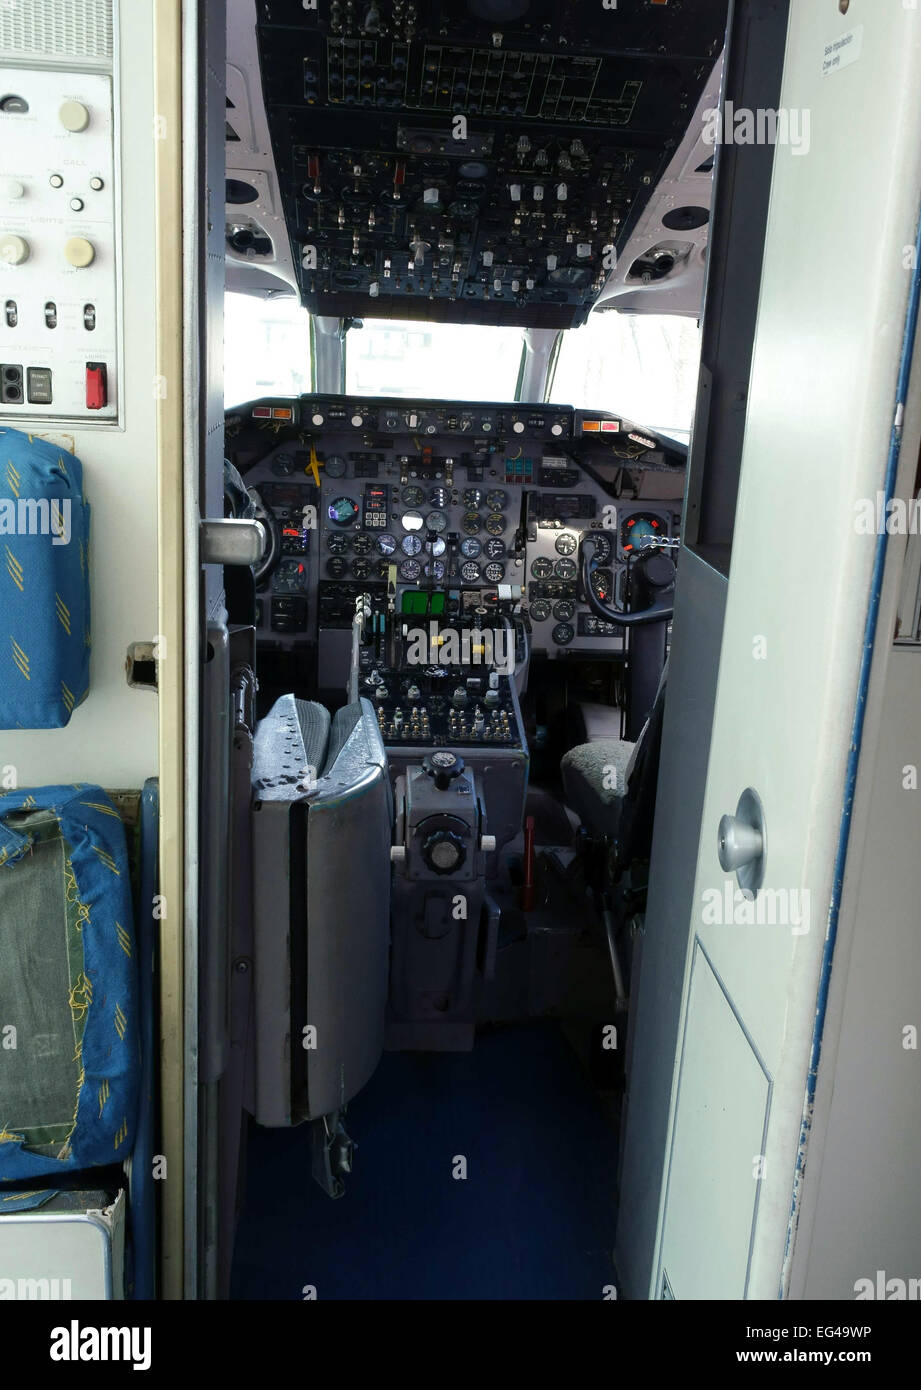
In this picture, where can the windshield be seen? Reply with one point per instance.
(453, 361)
(644, 366)
(266, 348)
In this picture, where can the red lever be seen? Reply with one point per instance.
(526, 894)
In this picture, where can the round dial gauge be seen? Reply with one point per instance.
(470, 571)
(641, 530)
(494, 548)
(386, 544)
(436, 521)
(604, 548)
(541, 568)
(342, 511)
(413, 496)
(470, 547)
(337, 544)
(335, 466)
(495, 523)
(540, 610)
(336, 567)
(410, 569)
(494, 572)
(283, 465)
(563, 634)
(411, 545)
(565, 569)
(473, 497)
(382, 569)
(470, 523)
(439, 497)
(496, 500)
(435, 569)
(411, 521)
(361, 569)
(435, 547)
(362, 544)
(566, 544)
(564, 611)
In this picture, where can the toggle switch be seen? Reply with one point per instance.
(96, 386)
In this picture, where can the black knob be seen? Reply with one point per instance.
(443, 767)
(444, 851)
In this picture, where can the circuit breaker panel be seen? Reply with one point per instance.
(59, 339)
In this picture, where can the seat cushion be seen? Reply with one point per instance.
(595, 781)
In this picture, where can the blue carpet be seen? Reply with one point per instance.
(534, 1218)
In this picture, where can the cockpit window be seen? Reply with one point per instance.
(644, 366)
(266, 348)
(470, 362)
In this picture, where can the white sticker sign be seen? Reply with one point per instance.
(842, 51)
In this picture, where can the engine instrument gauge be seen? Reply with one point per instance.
(336, 567)
(473, 497)
(411, 570)
(470, 523)
(334, 466)
(435, 547)
(362, 543)
(413, 496)
(563, 634)
(361, 569)
(437, 522)
(494, 572)
(497, 500)
(540, 610)
(541, 568)
(470, 547)
(435, 569)
(470, 572)
(337, 544)
(495, 523)
(566, 544)
(494, 548)
(565, 569)
(386, 544)
(411, 545)
(564, 611)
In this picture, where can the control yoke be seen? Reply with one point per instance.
(660, 610)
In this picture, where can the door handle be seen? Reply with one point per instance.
(742, 842)
(231, 541)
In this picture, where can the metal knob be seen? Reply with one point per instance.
(742, 842)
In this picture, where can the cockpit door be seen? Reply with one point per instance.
(801, 619)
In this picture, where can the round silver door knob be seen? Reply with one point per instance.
(738, 844)
(742, 842)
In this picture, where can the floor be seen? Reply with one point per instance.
(532, 1219)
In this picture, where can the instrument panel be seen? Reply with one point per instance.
(445, 509)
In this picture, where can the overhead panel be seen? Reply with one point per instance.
(479, 161)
